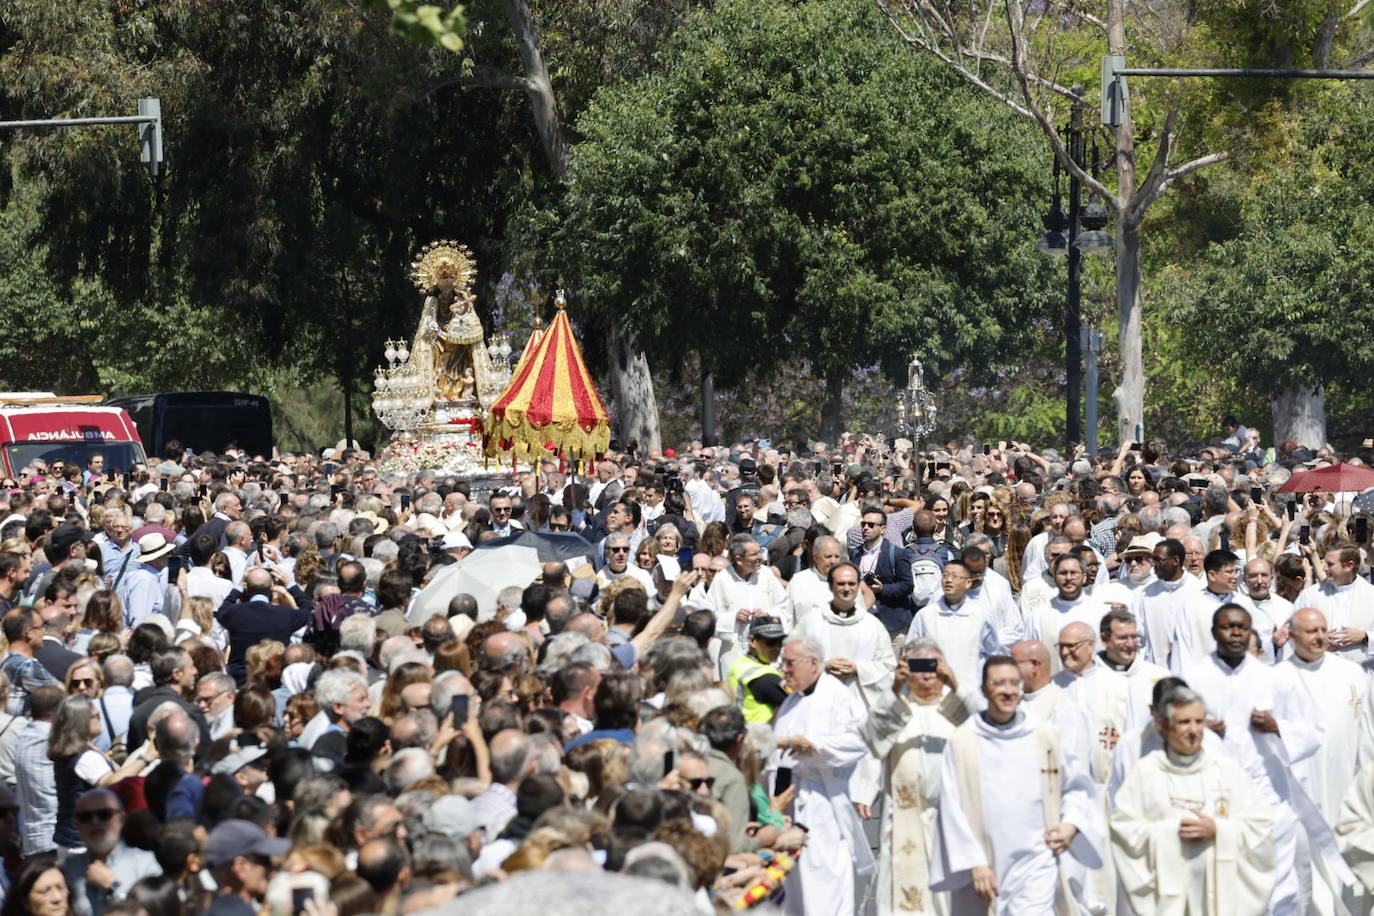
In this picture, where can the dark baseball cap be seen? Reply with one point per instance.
(767, 628)
(233, 838)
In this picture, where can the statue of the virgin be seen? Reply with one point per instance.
(449, 343)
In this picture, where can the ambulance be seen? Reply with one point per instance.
(40, 425)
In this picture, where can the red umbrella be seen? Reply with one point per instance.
(1334, 478)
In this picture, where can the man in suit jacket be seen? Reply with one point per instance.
(59, 609)
(608, 486)
(227, 510)
(886, 574)
(249, 616)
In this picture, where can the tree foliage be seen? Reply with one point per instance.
(1274, 303)
(790, 185)
(309, 153)
(426, 22)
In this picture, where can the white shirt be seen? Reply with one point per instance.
(706, 503)
(238, 563)
(202, 583)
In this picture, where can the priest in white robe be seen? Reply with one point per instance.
(1137, 572)
(1042, 698)
(818, 734)
(1037, 592)
(991, 589)
(1347, 601)
(809, 590)
(742, 591)
(1104, 697)
(1193, 640)
(960, 626)
(1317, 679)
(1138, 742)
(1013, 806)
(1190, 831)
(1313, 679)
(1239, 691)
(1068, 606)
(1269, 605)
(909, 730)
(1161, 602)
(1121, 639)
(1355, 831)
(857, 650)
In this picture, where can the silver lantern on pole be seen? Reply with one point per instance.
(916, 404)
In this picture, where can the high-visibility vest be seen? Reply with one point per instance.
(742, 674)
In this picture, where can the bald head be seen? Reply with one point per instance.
(1034, 661)
(555, 574)
(1178, 531)
(1032, 649)
(1075, 631)
(504, 652)
(589, 625)
(1309, 632)
(176, 737)
(510, 756)
(257, 581)
(415, 696)
(1076, 644)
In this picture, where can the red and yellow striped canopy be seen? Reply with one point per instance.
(551, 404)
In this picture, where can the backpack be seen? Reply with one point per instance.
(926, 573)
(330, 611)
(16, 667)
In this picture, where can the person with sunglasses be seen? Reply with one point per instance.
(617, 551)
(694, 773)
(109, 868)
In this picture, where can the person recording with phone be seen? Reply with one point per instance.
(908, 730)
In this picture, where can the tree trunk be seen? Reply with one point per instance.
(1130, 392)
(538, 86)
(708, 408)
(633, 388)
(832, 423)
(631, 383)
(1300, 415)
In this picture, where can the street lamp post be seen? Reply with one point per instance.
(1081, 230)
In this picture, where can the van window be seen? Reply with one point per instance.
(119, 456)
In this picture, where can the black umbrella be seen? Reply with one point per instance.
(552, 545)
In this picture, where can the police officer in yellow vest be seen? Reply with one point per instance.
(755, 679)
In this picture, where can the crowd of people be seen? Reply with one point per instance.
(840, 679)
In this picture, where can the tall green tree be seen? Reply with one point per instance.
(1278, 303)
(310, 152)
(791, 185)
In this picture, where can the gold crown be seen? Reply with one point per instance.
(443, 260)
